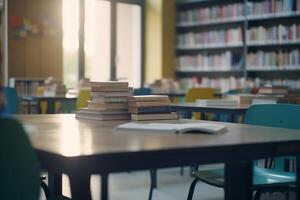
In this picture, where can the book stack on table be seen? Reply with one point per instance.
(109, 101)
(150, 107)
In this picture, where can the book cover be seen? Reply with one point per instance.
(144, 110)
(111, 89)
(102, 112)
(159, 116)
(110, 99)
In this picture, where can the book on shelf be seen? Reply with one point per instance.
(201, 127)
(154, 116)
(274, 59)
(273, 90)
(217, 102)
(211, 38)
(269, 7)
(106, 106)
(149, 103)
(274, 34)
(144, 110)
(209, 62)
(205, 15)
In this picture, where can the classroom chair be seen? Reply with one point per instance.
(19, 169)
(83, 97)
(199, 93)
(12, 100)
(274, 179)
(142, 91)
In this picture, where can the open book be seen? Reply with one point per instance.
(174, 128)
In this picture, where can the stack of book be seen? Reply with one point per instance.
(150, 107)
(271, 94)
(109, 101)
(293, 96)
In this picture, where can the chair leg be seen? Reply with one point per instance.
(258, 194)
(192, 188)
(153, 183)
(45, 189)
(181, 170)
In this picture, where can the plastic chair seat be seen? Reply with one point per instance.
(262, 177)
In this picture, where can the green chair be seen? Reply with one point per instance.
(12, 100)
(275, 179)
(19, 168)
(142, 91)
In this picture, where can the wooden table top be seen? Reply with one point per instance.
(67, 136)
(194, 105)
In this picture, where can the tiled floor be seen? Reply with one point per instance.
(171, 186)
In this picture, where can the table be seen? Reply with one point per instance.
(50, 102)
(80, 148)
(193, 107)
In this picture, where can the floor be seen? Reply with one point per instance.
(171, 186)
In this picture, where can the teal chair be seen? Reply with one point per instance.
(19, 168)
(12, 100)
(275, 179)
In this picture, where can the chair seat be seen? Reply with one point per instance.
(262, 177)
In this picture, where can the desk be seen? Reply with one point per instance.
(50, 102)
(80, 148)
(193, 107)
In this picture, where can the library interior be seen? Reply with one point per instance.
(150, 99)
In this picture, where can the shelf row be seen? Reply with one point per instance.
(250, 18)
(250, 69)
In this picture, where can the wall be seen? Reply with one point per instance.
(36, 56)
(160, 39)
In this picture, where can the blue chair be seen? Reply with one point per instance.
(142, 91)
(264, 179)
(12, 100)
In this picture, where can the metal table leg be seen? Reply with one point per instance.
(80, 186)
(55, 183)
(238, 181)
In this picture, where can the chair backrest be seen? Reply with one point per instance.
(142, 91)
(12, 100)
(19, 168)
(274, 115)
(199, 93)
(83, 97)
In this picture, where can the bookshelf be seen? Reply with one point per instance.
(236, 43)
(26, 85)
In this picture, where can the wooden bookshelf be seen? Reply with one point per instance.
(207, 20)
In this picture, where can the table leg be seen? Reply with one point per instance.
(55, 183)
(51, 106)
(298, 177)
(104, 186)
(238, 181)
(80, 186)
(202, 115)
(232, 118)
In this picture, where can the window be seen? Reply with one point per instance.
(112, 40)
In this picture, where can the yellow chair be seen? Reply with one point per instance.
(83, 97)
(199, 93)
(43, 104)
